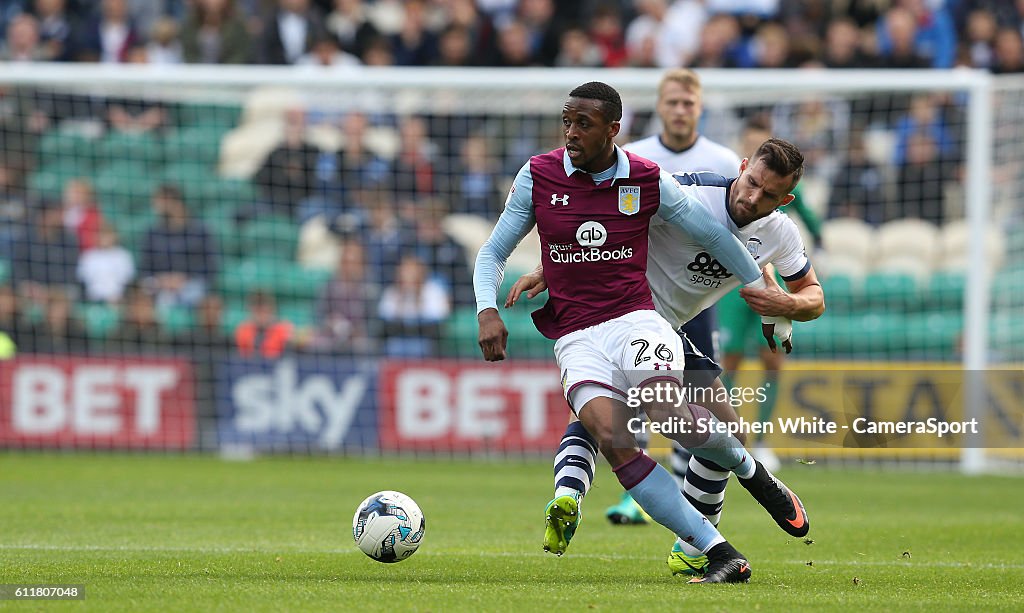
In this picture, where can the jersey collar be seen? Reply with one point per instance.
(621, 164)
(678, 151)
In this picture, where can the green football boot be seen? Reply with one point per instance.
(682, 564)
(561, 518)
(627, 512)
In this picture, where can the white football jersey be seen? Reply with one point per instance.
(704, 155)
(685, 279)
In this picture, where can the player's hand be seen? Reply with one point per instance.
(780, 327)
(493, 335)
(532, 283)
(771, 301)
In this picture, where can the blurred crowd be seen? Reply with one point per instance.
(579, 33)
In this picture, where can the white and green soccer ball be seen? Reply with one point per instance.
(388, 526)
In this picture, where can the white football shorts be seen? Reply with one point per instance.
(607, 359)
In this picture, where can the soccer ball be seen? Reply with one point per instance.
(388, 526)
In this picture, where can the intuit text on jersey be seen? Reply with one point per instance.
(593, 254)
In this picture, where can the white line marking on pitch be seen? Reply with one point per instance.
(482, 554)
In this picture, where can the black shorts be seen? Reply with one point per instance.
(699, 368)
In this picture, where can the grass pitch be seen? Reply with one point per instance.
(147, 533)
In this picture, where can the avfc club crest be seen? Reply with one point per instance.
(629, 199)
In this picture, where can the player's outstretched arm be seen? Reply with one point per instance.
(515, 222)
(678, 208)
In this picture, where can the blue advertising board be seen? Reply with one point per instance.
(305, 403)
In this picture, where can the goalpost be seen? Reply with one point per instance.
(442, 145)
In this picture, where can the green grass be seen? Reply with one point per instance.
(195, 533)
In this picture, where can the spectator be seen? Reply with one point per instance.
(44, 256)
(667, 32)
(106, 269)
(842, 46)
(22, 43)
(179, 259)
(59, 332)
(54, 28)
(925, 115)
(934, 35)
(384, 242)
(858, 189)
(12, 209)
(378, 53)
(82, 216)
(345, 308)
(578, 51)
(107, 38)
(359, 165)
(921, 179)
(350, 26)
(542, 31)
(140, 330)
(207, 345)
(1009, 52)
(262, 334)
(980, 36)
(412, 310)
(414, 44)
(215, 33)
(514, 47)
(897, 40)
(444, 258)
(464, 15)
(13, 334)
(770, 47)
(455, 48)
(718, 42)
(606, 31)
(289, 32)
(288, 176)
(326, 54)
(137, 115)
(414, 169)
(164, 46)
(477, 189)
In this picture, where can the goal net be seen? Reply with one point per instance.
(273, 260)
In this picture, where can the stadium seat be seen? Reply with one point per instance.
(469, 231)
(905, 264)
(61, 146)
(216, 116)
(271, 236)
(100, 319)
(912, 238)
(848, 238)
(842, 293)
(243, 150)
(5, 271)
(955, 238)
(896, 291)
(269, 103)
(143, 148)
(286, 280)
(459, 335)
(220, 192)
(198, 144)
(946, 291)
(130, 182)
(318, 246)
(176, 320)
(830, 264)
(191, 176)
(934, 336)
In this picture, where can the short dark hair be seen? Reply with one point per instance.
(781, 157)
(611, 102)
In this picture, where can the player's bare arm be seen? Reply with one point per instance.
(804, 301)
